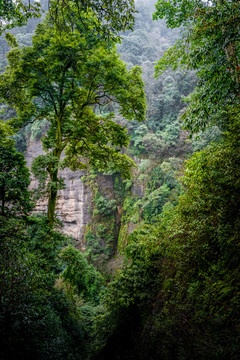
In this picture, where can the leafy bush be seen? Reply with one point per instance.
(83, 276)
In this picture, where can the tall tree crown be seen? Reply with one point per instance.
(210, 45)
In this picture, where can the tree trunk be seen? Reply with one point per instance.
(231, 53)
(52, 200)
(53, 172)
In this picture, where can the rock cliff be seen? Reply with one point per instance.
(74, 201)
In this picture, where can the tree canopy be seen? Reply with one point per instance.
(114, 16)
(16, 13)
(71, 79)
(210, 45)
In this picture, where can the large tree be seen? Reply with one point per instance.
(70, 78)
(210, 45)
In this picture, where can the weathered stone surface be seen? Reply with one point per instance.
(73, 202)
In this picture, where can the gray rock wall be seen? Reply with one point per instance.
(74, 202)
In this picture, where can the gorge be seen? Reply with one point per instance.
(140, 257)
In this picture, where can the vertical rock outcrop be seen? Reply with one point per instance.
(74, 201)
(73, 205)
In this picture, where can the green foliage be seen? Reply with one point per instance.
(163, 126)
(109, 192)
(202, 236)
(83, 276)
(45, 242)
(161, 133)
(65, 75)
(37, 321)
(161, 186)
(178, 292)
(154, 204)
(101, 239)
(95, 247)
(38, 128)
(113, 17)
(103, 206)
(20, 141)
(175, 11)
(210, 46)
(40, 168)
(14, 181)
(128, 298)
(203, 139)
(117, 16)
(16, 13)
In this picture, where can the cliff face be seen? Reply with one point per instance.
(76, 207)
(74, 202)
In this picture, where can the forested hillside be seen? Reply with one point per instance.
(148, 111)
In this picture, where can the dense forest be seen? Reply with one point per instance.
(142, 95)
